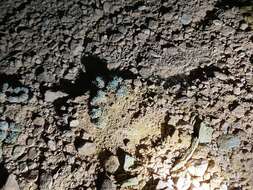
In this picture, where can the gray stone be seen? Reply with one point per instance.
(228, 142)
(51, 96)
(186, 19)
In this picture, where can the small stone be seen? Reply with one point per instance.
(186, 19)
(108, 185)
(221, 76)
(228, 142)
(74, 123)
(51, 96)
(129, 162)
(244, 26)
(183, 182)
(112, 164)
(39, 121)
(130, 182)
(87, 149)
(11, 183)
(205, 133)
(198, 169)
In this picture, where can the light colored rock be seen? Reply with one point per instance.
(129, 162)
(168, 185)
(184, 182)
(130, 182)
(74, 123)
(87, 149)
(198, 169)
(11, 183)
(186, 19)
(39, 121)
(205, 133)
(112, 164)
(204, 186)
(51, 96)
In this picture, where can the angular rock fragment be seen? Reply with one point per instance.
(51, 96)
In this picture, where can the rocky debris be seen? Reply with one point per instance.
(112, 164)
(51, 96)
(165, 63)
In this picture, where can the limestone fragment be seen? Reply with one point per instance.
(198, 169)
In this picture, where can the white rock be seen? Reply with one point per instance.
(130, 182)
(51, 96)
(168, 185)
(129, 162)
(184, 182)
(74, 123)
(198, 169)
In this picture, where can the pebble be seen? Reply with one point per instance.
(205, 133)
(87, 149)
(129, 162)
(112, 164)
(51, 96)
(186, 19)
(74, 123)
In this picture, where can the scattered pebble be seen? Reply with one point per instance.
(11, 183)
(198, 169)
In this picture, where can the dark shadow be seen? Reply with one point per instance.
(151, 184)
(4, 175)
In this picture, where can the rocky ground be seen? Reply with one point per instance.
(126, 94)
